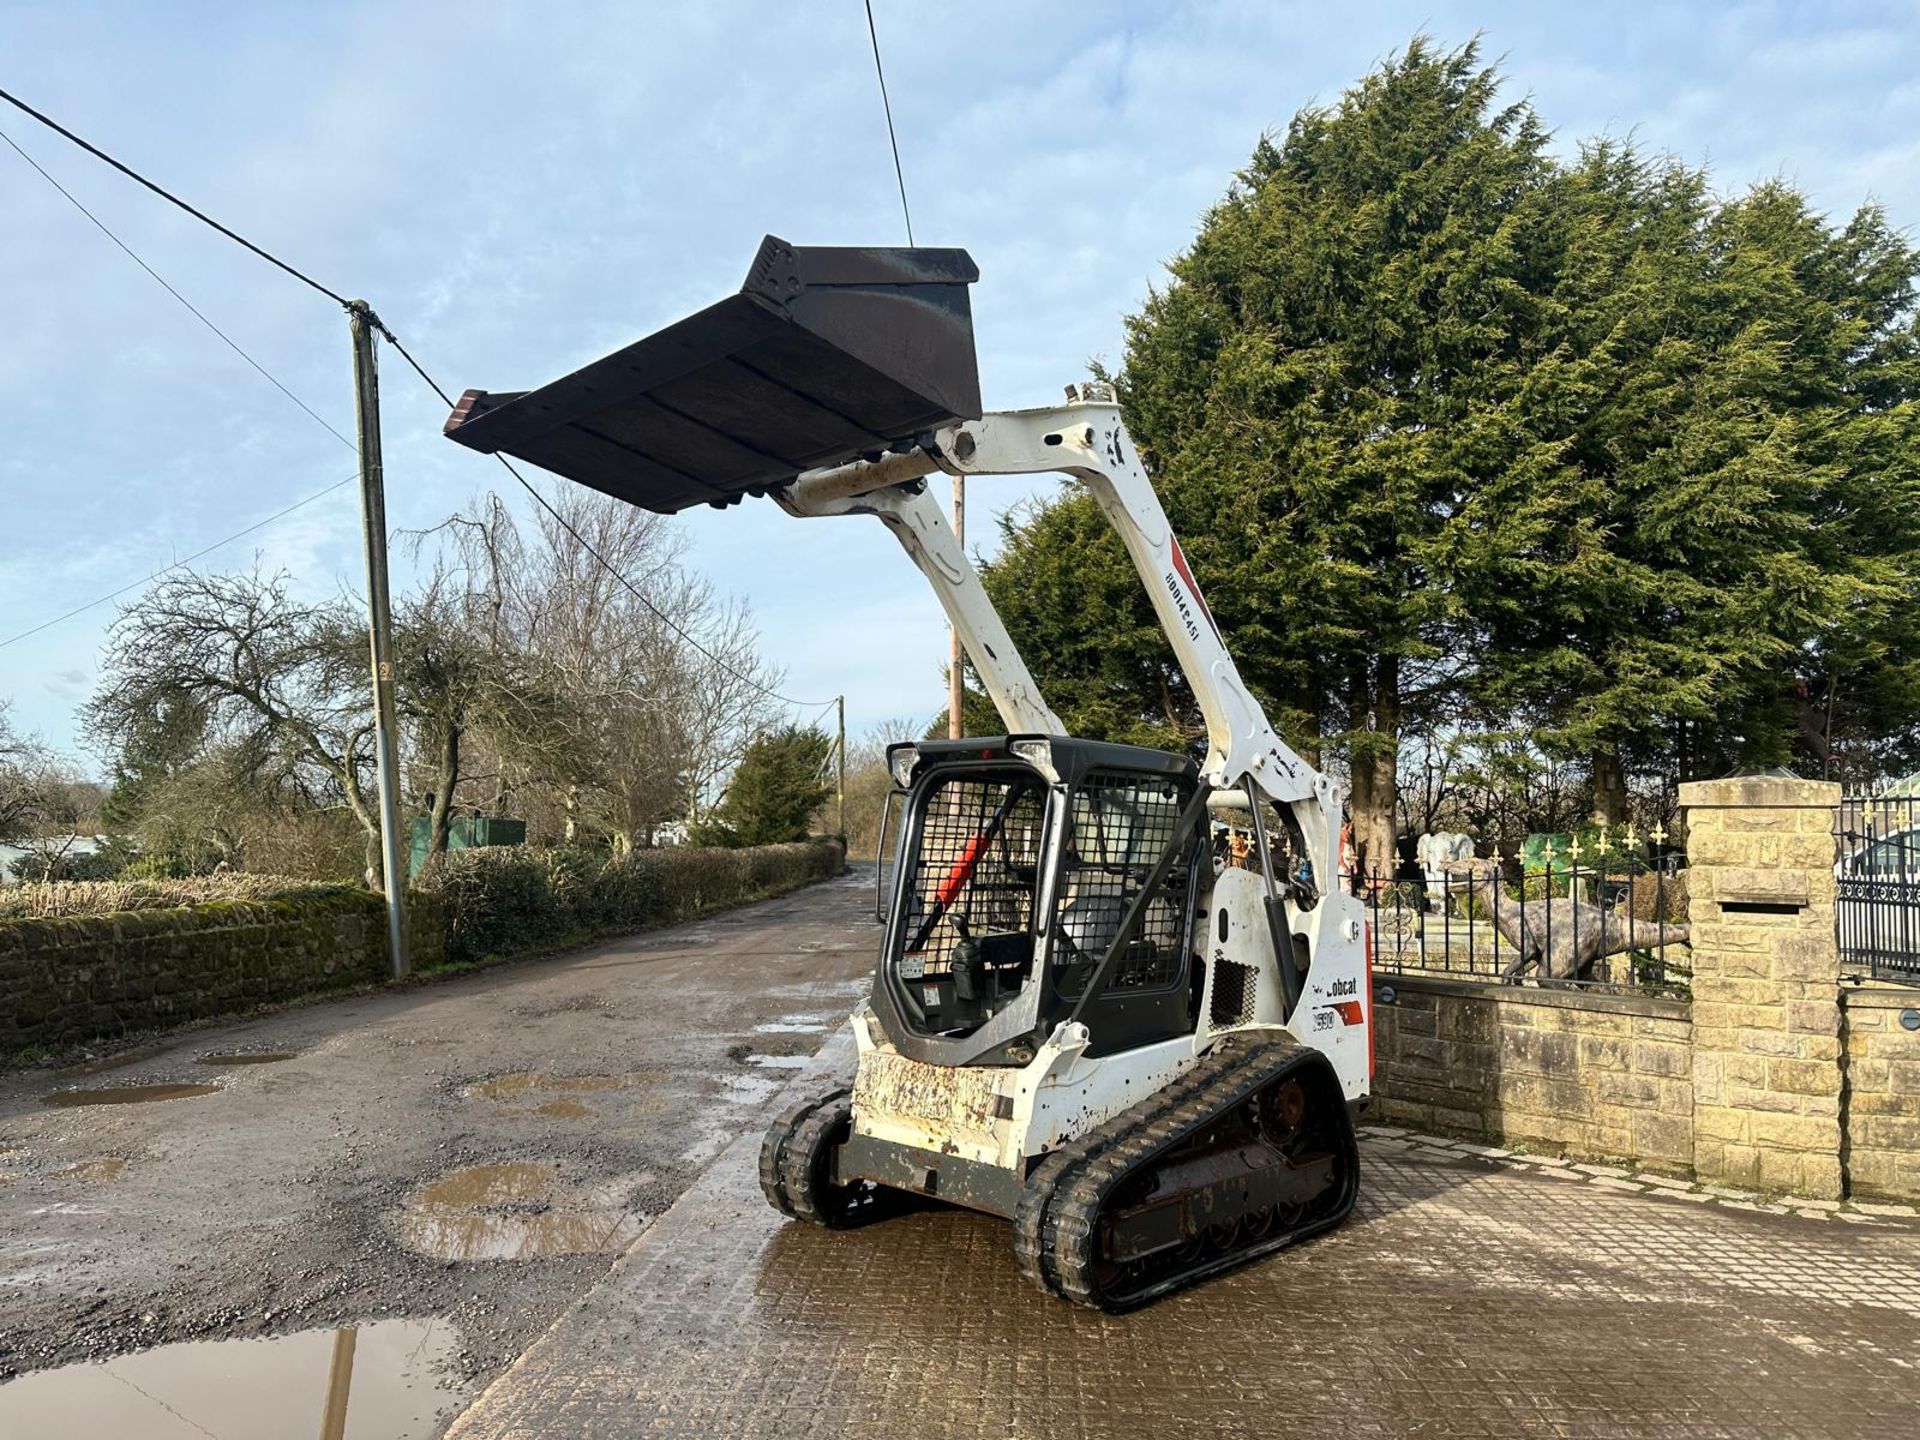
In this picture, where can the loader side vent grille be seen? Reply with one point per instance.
(1117, 830)
(1232, 1002)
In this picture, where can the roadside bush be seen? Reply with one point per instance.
(160, 865)
(508, 900)
(496, 900)
(573, 878)
(103, 897)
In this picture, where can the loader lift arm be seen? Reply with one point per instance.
(1087, 439)
(835, 381)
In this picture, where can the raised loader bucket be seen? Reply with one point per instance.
(826, 354)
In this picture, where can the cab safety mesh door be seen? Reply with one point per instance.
(975, 869)
(1118, 827)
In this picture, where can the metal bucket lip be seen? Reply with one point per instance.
(831, 265)
(827, 352)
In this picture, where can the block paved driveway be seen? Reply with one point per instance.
(1469, 1296)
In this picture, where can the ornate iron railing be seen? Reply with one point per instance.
(1595, 915)
(1877, 887)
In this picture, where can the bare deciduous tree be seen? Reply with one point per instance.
(20, 759)
(466, 692)
(868, 782)
(283, 689)
(651, 721)
(282, 683)
(46, 804)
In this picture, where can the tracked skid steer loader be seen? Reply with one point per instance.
(1088, 1017)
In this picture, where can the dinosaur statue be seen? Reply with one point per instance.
(1565, 938)
(1434, 852)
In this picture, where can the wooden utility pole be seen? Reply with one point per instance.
(956, 670)
(386, 730)
(840, 768)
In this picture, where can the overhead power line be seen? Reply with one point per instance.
(135, 585)
(887, 105)
(195, 310)
(392, 340)
(168, 196)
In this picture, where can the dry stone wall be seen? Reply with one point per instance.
(82, 977)
(1600, 1076)
(72, 979)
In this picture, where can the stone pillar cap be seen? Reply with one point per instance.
(1755, 791)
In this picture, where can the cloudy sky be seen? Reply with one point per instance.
(521, 187)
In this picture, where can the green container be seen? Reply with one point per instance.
(1533, 852)
(465, 832)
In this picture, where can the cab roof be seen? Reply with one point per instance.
(1073, 758)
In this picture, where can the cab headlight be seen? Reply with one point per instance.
(900, 762)
(1037, 753)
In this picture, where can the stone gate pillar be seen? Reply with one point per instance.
(1766, 984)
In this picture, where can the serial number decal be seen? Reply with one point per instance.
(1180, 604)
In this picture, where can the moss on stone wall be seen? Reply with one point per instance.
(76, 978)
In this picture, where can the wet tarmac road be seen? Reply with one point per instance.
(1468, 1297)
(471, 1152)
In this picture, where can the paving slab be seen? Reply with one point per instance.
(1461, 1300)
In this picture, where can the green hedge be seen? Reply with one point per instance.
(509, 900)
(71, 979)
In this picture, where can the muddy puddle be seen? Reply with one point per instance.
(118, 1058)
(101, 1167)
(515, 1211)
(567, 1097)
(674, 942)
(247, 1057)
(381, 1381)
(526, 1082)
(748, 1089)
(126, 1094)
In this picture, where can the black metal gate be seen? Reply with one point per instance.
(1877, 876)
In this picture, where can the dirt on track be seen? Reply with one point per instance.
(473, 1150)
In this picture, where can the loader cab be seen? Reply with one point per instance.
(1017, 861)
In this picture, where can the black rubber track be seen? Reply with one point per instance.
(773, 1148)
(1032, 1238)
(805, 1161)
(1057, 1228)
